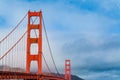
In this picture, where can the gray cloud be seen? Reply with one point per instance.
(85, 45)
(88, 36)
(95, 57)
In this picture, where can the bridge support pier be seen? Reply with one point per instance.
(40, 79)
(67, 70)
(34, 40)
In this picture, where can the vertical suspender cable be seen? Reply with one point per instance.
(49, 46)
(42, 54)
(13, 46)
(46, 64)
(14, 29)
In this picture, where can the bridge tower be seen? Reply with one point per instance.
(67, 70)
(38, 56)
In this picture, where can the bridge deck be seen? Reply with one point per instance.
(22, 75)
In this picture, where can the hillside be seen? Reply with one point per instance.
(74, 77)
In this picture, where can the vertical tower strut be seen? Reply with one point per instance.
(67, 70)
(34, 57)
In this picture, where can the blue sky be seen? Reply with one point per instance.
(86, 31)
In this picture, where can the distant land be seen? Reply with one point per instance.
(74, 77)
(8, 68)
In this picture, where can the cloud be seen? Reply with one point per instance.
(106, 8)
(86, 31)
(85, 45)
(2, 21)
(95, 58)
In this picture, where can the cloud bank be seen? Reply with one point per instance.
(86, 31)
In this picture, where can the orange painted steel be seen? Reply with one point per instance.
(29, 56)
(27, 76)
(67, 70)
(34, 57)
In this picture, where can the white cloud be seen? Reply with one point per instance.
(66, 24)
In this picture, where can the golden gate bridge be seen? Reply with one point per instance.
(30, 44)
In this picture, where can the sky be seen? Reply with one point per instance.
(85, 31)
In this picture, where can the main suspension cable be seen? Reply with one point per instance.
(13, 29)
(13, 46)
(42, 52)
(49, 47)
